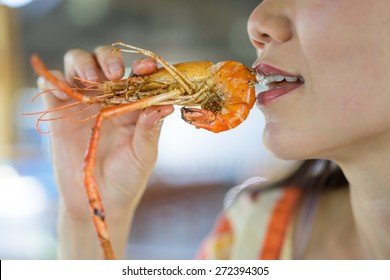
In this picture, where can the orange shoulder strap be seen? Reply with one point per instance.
(281, 216)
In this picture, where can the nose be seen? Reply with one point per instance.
(268, 23)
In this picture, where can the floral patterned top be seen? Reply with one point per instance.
(257, 224)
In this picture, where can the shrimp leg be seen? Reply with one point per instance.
(189, 87)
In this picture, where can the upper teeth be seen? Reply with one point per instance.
(278, 78)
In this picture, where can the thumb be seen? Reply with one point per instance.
(147, 131)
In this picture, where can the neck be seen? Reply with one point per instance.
(367, 171)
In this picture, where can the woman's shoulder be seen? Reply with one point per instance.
(254, 223)
(249, 190)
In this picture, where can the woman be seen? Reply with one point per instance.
(336, 109)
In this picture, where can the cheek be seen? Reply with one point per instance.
(325, 124)
(300, 137)
(346, 94)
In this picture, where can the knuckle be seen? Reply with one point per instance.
(105, 52)
(71, 54)
(103, 49)
(76, 59)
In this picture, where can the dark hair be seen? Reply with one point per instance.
(316, 174)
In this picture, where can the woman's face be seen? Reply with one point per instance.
(341, 49)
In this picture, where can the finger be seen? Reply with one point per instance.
(111, 63)
(57, 96)
(144, 66)
(147, 130)
(78, 62)
(128, 119)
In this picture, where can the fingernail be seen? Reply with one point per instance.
(91, 74)
(115, 68)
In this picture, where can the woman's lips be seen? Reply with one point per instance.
(265, 69)
(265, 97)
(277, 82)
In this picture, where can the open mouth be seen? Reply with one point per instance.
(270, 76)
(275, 82)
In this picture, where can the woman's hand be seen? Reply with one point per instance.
(127, 152)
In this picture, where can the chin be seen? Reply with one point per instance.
(286, 147)
(283, 153)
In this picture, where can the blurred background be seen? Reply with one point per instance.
(195, 168)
